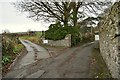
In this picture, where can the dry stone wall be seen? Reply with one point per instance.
(66, 42)
(110, 40)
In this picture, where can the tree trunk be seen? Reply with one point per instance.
(75, 12)
(66, 16)
(66, 22)
(74, 17)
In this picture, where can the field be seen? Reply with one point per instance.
(35, 37)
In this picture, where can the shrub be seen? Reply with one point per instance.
(88, 38)
(10, 47)
(5, 59)
(58, 32)
(7, 46)
(55, 32)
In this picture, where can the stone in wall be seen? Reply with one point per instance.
(108, 42)
(66, 42)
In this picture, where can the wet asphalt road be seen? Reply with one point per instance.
(71, 63)
(34, 53)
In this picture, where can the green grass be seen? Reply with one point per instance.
(100, 69)
(11, 47)
(7, 58)
(18, 48)
(38, 34)
(34, 38)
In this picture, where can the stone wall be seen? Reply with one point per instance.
(109, 44)
(66, 42)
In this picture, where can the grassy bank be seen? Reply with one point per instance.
(11, 47)
(98, 66)
(33, 38)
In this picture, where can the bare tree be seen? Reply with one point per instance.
(46, 10)
(62, 11)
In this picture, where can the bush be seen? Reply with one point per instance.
(7, 46)
(88, 38)
(55, 32)
(10, 47)
(58, 32)
(6, 59)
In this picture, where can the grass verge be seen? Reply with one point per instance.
(33, 38)
(98, 66)
(10, 58)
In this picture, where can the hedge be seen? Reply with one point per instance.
(58, 32)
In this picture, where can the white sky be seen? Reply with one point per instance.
(15, 21)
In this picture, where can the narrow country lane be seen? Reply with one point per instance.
(35, 53)
(71, 63)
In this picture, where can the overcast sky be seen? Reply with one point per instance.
(15, 21)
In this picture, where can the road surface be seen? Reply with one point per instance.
(35, 52)
(71, 63)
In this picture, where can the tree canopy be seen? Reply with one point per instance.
(67, 12)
